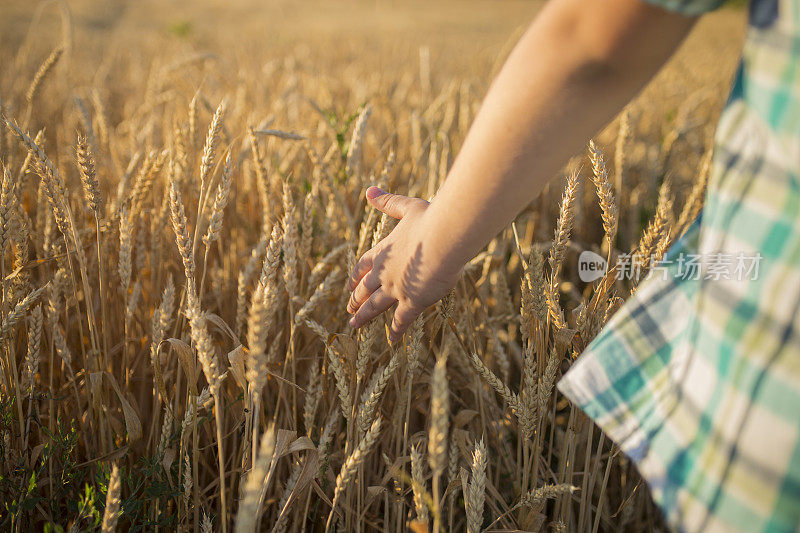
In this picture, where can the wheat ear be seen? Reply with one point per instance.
(352, 464)
(111, 514)
(250, 509)
(476, 491)
(418, 484)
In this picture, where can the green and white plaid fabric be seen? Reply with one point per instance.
(697, 376)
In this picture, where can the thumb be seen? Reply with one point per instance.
(394, 205)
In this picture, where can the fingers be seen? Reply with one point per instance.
(394, 205)
(369, 284)
(376, 304)
(404, 316)
(363, 266)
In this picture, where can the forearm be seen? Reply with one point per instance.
(577, 65)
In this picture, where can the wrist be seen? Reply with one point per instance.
(442, 238)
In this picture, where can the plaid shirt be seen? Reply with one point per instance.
(697, 376)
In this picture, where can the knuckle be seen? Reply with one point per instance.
(408, 306)
(363, 263)
(372, 281)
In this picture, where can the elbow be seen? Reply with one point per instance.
(583, 48)
(606, 38)
(596, 51)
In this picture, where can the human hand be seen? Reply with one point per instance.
(407, 266)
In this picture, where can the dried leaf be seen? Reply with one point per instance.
(463, 417)
(288, 135)
(236, 359)
(132, 421)
(223, 326)
(166, 461)
(186, 357)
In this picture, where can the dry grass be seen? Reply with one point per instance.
(176, 228)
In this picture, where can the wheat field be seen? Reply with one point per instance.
(182, 199)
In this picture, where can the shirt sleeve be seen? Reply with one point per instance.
(687, 7)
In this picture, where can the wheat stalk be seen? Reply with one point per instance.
(418, 484)
(604, 193)
(250, 509)
(352, 464)
(374, 391)
(41, 74)
(111, 513)
(220, 202)
(6, 213)
(354, 150)
(437, 432)
(476, 491)
(342, 384)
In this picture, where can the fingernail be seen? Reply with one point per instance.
(374, 192)
(352, 322)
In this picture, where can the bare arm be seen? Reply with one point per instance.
(576, 66)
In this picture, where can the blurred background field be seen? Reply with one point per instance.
(279, 114)
(465, 37)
